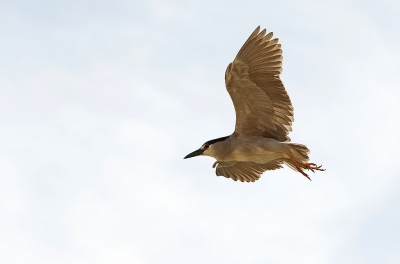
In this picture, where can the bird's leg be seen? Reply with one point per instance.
(312, 167)
(298, 166)
(306, 166)
(302, 172)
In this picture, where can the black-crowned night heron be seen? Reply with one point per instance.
(264, 116)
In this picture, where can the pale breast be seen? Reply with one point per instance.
(256, 149)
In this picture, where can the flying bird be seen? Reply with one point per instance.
(264, 116)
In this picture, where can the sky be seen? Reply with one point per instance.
(101, 100)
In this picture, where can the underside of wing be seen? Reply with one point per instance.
(262, 105)
(244, 171)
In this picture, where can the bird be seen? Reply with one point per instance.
(264, 116)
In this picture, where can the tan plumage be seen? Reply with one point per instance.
(244, 171)
(262, 105)
(264, 116)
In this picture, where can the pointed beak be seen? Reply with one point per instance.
(194, 153)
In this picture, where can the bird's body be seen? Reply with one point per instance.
(244, 148)
(264, 115)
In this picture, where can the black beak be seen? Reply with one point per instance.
(194, 153)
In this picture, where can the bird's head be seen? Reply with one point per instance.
(207, 149)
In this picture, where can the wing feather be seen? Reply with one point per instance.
(245, 171)
(262, 105)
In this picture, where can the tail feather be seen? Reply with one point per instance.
(300, 153)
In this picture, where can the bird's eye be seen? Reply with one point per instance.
(206, 146)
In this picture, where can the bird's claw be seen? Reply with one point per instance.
(313, 167)
(308, 166)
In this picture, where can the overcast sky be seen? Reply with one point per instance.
(101, 100)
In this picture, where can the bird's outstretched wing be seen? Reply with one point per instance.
(244, 171)
(262, 105)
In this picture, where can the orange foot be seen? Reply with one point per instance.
(306, 166)
(312, 167)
